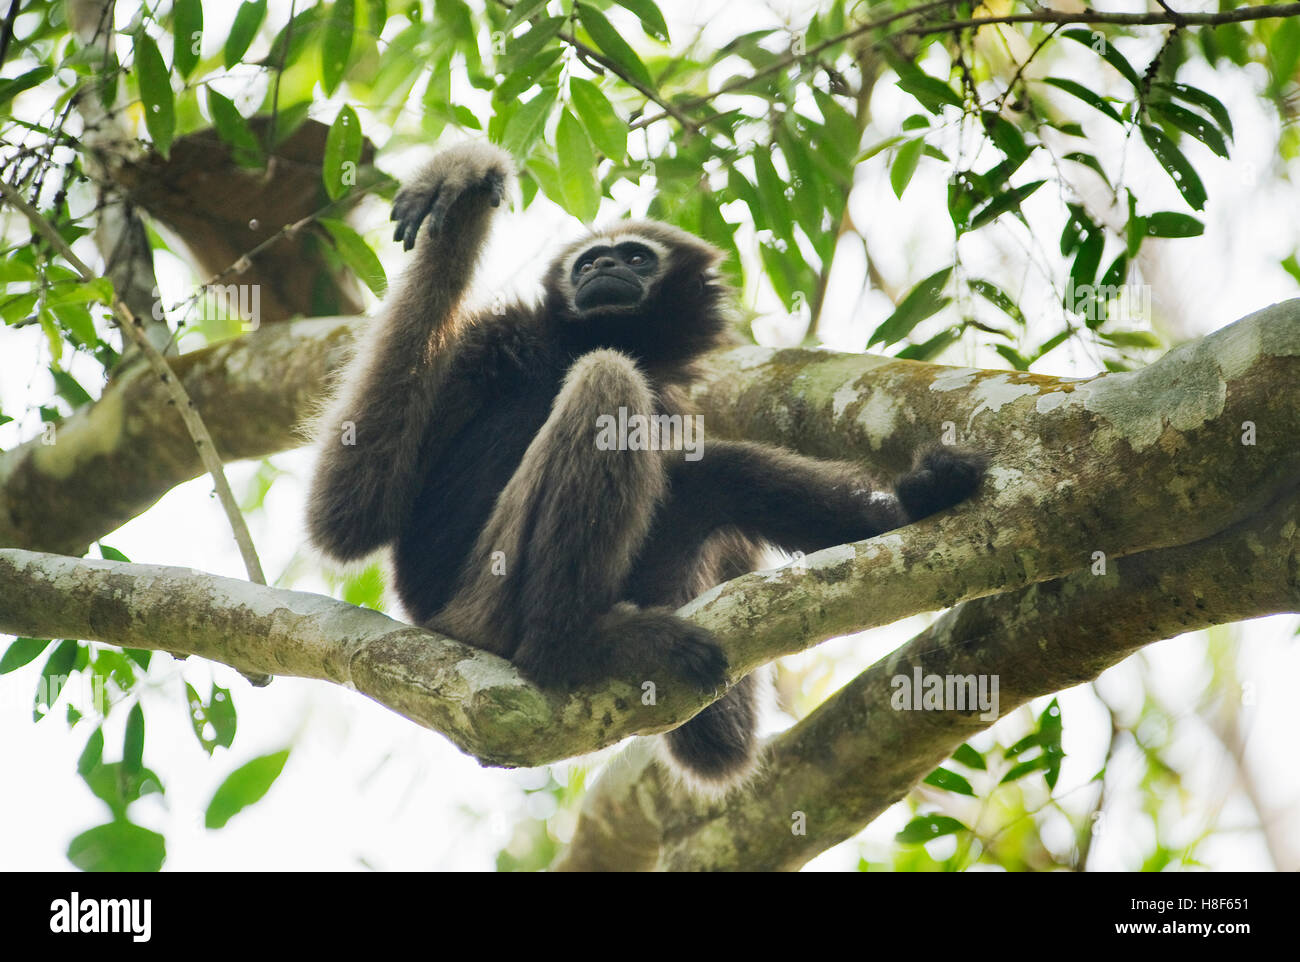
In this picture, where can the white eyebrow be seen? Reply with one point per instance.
(613, 240)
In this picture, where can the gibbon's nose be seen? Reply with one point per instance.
(605, 262)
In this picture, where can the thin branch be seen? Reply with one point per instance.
(127, 321)
(1272, 11)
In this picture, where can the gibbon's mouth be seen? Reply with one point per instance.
(608, 288)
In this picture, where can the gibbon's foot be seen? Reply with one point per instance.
(451, 177)
(943, 476)
(696, 656)
(633, 645)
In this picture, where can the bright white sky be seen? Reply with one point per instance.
(365, 788)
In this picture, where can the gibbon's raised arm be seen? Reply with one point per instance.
(395, 401)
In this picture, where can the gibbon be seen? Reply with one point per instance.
(477, 454)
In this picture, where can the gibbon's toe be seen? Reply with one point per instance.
(943, 477)
(697, 656)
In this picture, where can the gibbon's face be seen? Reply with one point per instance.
(614, 276)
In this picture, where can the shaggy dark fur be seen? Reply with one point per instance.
(473, 453)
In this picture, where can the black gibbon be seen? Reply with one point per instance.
(474, 450)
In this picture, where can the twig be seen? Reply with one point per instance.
(1270, 11)
(127, 321)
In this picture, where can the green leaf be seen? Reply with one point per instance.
(222, 715)
(1022, 769)
(1190, 123)
(219, 712)
(243, 787)
(133, 741)
(843, 136)
(1107, 52)
(528, 123)
(970, 758)
(771, 193)
(11, 88)
(931, 92)
(1288, 264)
(929, 350)
(904, 166)
(612, 44)
(118, 788)
(652, 21)
(356, 253)
(1135, 339)
(336, 43)
(112, 554)
(55, 674)
(234, 130)
(926, 827)
(118, 846)
(949, 781)
(1283, 54)
(68, 388)
(294, 38)
(1006, 136)
(1086, 261)
(342, 153)
(1206, 101)
(521, 11)
(92, 754)
(187, 33)
(1086, 95)
(1089, 161)
(243, 30)
(1168, 223)
(924, 300)
(1004, 202)
(141, 656)
(365, 589)
(155, 93)
(1117, 273)
(21, 652)
(577, 165)
(520, 50)
(1177, 166)
(999, 298)
(606, 130)
(535, 71)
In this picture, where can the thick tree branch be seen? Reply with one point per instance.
(112, 459)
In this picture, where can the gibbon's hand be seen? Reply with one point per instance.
(461, 176)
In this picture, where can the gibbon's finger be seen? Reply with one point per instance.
(411, 225)
(438, 210)
(400, 203)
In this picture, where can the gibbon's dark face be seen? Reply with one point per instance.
(617, 276)
(644, 288)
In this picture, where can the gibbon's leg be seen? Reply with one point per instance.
(567, 528)
(395, 401)
(797, 503)
(800, 503)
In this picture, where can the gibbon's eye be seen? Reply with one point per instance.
(636, 260)
(585, 266)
